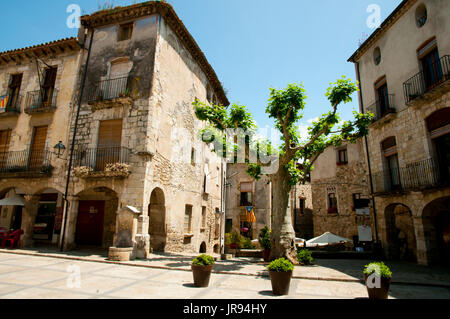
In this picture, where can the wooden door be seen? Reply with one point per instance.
(37, 153)
(109, 142)
(5, 138)
(90, 223)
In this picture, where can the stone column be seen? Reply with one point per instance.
(29, 214)
(71, 223)
(421, 251)
(142, 238)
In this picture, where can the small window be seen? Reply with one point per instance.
(188, 219)
(125, 31)
(203, 217)
(342, 156)
(377, 56)
(301, 206)
(332, 203)
(421, 15)
(246, 194)
(359, 201)
(217, 224)
(192, 156)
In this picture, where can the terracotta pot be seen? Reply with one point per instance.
(281, 282)
(202, 274)
(266, 254)
(379, 293)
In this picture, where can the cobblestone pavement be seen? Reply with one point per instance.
(26, 276)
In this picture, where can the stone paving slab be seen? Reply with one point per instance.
(48, 277)
(339, 270)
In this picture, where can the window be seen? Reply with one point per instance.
(192, 156)
(301, 206)
(389, 149)
(246, 194)
(14, 89)
(49, 86)
(332, 203)
(342, 156)
(5, 138)
(432, 68)
(217, 224)
(359, 202)
(421, 15)
(438, 125)
(377, 56)
(383, 106)
(228, 225)
(188, 219)
(125, 31)
(203, 217)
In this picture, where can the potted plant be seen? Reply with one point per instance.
(304, 257)
(201, 269)
(280, 271)
(264, 241)
(378, 278)
(235, 240)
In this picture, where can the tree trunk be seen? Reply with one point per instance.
(283, 234)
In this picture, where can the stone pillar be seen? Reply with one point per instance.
(142, 238)
(29, 214)
(71, 223)
(421, 252)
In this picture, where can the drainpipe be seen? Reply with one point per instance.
(83, 81)
(368, 157)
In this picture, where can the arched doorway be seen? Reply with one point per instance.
(401, 238)
(157, 220)
(96, 219)
(436, 226)
(47, 222)
(202, 248)
(11, 216)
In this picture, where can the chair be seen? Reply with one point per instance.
(13, 238)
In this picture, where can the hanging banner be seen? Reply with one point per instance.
(250, 214)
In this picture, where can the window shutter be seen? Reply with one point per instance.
(110, 133)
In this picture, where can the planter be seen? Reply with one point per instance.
(266, 254)
(202, 274)
(281, 282)
(120, 254)
(379, 293)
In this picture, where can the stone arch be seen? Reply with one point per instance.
(216, 249)
(202, 248)
(400, 233)
(436, 228)
(11, 217)
(157, 220)
(95, 221)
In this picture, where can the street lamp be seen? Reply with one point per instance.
(59, 149)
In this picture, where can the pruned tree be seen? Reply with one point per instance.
(286, 108)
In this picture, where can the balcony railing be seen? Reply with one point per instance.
(41, 101)
(23, 162)
(427, 79)
(382, 107)
(109, 89)
(10, 105)
(98, 158)
(414, 176)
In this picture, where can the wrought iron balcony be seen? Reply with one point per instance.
(108, 90)
(109, 160)
(10, 105)
(426, 80)
(414, 176)
(41, 101)
(25, 163)
(382, 107)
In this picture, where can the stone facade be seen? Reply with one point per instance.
(407, 157)
(144, 82)
(342, 181)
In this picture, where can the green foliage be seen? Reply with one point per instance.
(304, 257)
(379, 268)
(280, 265)
(341, 91)
(264, 238)
(228, 239)
(246, 243)
(203, 260)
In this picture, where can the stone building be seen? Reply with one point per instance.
(404, 71)
(244, 191)
(340, 193)
(301, 206)
(141, 178)
(36, 88)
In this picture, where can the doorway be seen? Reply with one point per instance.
(90, 223)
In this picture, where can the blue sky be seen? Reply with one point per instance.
(252, 44)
